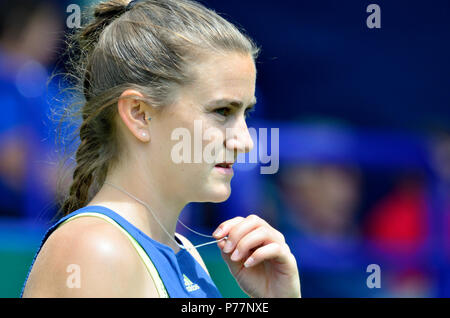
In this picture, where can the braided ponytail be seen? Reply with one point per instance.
(93, 154)
(92, 159)
(147, 47)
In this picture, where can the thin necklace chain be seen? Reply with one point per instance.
(157, 220)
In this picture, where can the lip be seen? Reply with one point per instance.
(226, 171)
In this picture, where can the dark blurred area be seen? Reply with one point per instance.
(364, 141)
(30, 32)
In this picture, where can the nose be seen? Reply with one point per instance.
(238, 138)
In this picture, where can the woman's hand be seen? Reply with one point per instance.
(259, 258)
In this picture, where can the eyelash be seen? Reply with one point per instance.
(247, 113)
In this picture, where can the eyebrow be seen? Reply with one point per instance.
(232, 102)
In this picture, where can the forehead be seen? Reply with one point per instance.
(231, 75)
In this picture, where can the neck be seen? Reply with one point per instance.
(165, 207)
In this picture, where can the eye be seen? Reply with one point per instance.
(248, 111)
(224, 111)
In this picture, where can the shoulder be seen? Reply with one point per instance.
(193, 251)
(86, 257)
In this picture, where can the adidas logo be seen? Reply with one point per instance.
(190, 286)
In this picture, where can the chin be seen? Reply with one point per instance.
(217, 194)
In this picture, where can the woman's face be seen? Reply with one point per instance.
(179, 131)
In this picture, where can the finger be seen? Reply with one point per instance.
(256, 238)
(221, 244)
(234, 267)
(223, 229)
(240, 230)
(273, 251)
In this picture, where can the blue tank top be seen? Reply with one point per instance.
(177, 275)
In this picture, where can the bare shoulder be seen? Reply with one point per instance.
(87, 257)
(193, 251)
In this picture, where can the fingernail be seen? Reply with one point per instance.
(227, 247)
(249, 262)
(217, 232)
(235, 255)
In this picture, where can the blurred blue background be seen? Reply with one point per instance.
(364, 143)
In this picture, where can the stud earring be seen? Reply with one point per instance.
(149, 118)
(144, 134)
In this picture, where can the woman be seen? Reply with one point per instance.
(150, 69)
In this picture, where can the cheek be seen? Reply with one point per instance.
(213, 145)
(197, 139)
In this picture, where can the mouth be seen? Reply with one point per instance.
(225, 167)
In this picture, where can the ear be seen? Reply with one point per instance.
(135, 113)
